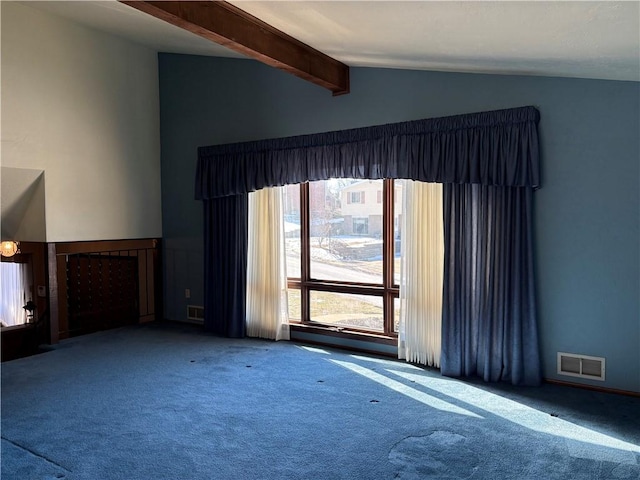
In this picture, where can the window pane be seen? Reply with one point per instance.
(347, 310)
(396, 315)
(346, 230)
(291, 210)
(397, 229)
(295, 304)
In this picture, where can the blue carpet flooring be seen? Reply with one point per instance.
(163, 401)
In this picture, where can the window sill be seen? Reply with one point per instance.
(343, 332)
(22, 326)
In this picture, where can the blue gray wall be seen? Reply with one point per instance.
(587, 211)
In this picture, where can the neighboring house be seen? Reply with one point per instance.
(361, 207)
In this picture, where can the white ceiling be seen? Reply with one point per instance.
(594, 39)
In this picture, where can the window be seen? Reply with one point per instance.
(360, 225)
(15, 291)
(341, 254)
(355, 197)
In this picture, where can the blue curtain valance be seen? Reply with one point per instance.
(489, 148)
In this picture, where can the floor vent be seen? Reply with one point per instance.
(195, 313)
(581, 366)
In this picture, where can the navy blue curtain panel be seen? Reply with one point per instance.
(489, 165)
(225, 265)
(489, 325)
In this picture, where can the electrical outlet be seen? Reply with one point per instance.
(187, 293)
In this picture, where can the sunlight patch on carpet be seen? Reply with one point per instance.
(389, 363)
(575, 435)
(405, 389)
(313, 349)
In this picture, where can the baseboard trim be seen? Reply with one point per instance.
(319, 341)
(593, 388)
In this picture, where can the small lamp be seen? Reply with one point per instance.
(30, 307)
(9, 248)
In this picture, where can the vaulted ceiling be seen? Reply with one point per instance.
(591, 39)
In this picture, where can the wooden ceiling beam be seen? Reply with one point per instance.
(227, 25)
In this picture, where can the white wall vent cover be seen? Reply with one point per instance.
(195, 313)
(581, 366)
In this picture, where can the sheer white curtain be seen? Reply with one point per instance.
(267, 312)
(422, 267)
(14, 289)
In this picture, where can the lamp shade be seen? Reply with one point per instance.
(30, 306)
(8, 249)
